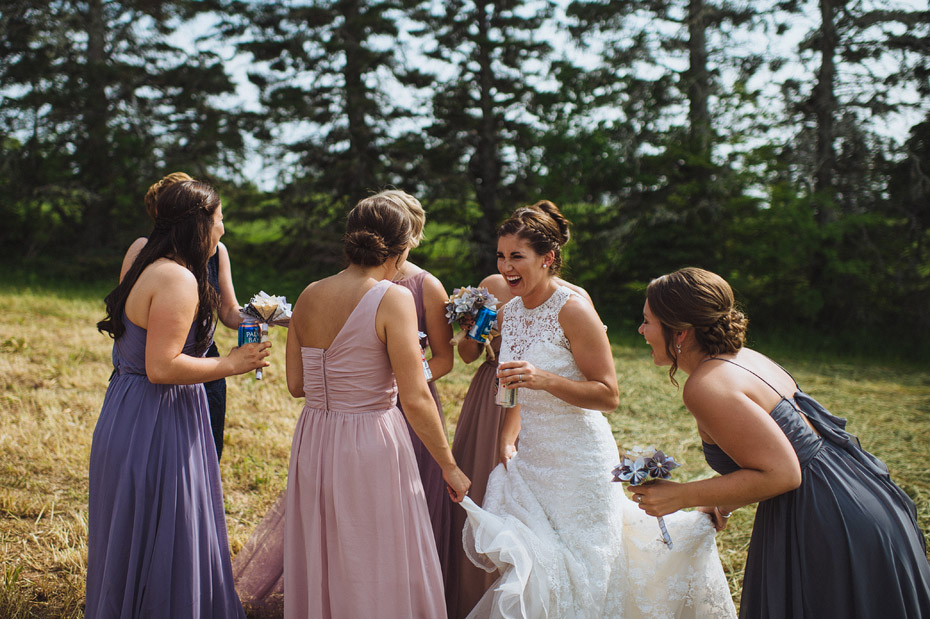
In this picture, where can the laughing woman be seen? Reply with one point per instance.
(833, 536)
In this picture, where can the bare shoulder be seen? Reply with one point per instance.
(432, 286)
(576, 289)
(578, 309)
(496, 285)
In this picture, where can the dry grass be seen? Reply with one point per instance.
(54, 368)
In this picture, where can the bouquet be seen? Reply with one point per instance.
(644, 465)
(268, 310)
(262, 312)
(464, 307)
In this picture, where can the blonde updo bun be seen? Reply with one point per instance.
(377, 229)
(695, 298)
(543, 226)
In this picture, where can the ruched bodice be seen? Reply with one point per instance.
(805, 441)
(354, 374)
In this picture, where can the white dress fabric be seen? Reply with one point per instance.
(567, 541)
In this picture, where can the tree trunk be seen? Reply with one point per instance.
(485, 164)
(95, 171)
(698, 81)
(825, 105)
(361, 181)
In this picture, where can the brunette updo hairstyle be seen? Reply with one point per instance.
(377, 229)
(183, 231)
(414, 211)
(543, 226)
(151, 196)
(693, 297)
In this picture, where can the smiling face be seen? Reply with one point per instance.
(523, 269)
(652, 332)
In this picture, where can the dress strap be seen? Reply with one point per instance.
(753, 373)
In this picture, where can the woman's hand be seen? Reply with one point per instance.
(658, 498)
(250, 357)
(457, 484)
(720, 519)
(507, 450)
(521, 374)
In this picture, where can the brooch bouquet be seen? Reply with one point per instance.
(640, 466)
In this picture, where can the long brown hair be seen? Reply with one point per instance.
(182, 232)
(698, 299)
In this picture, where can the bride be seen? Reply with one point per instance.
(567, 541)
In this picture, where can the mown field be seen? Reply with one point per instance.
(54, 367)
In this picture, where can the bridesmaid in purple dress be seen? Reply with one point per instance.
(358, 541)
(430, 298)
(157, 542)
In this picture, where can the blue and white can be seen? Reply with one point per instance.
(481, 330)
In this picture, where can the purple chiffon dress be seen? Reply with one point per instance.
(437, 498)
(358, 541)
(157, 544)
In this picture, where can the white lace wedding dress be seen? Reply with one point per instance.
(567, 541)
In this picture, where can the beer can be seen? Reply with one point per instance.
(482, 327)
(249, 331)
(506, 397)
(426, 371)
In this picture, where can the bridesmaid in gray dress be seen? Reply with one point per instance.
(834, 536)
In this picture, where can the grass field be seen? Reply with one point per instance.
(54, 368)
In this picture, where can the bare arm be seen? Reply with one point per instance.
(165, 305)
(396, 324)
(746, 432)
(228, 311)
(591, 351)
(438, 329)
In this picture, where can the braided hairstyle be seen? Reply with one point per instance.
(376, 229)
(541, 225)
(182, 232)
(698, 299)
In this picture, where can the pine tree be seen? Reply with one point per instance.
(97, 103)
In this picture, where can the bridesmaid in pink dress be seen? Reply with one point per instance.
(475, 448)
(358, 542)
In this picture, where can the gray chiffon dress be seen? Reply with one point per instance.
(845, 543)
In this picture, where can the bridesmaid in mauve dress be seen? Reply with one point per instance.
(157, 544)
(430, 298)
(358, 541)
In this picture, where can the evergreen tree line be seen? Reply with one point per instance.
(782, 143)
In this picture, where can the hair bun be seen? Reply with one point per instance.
(366, 247)
(561, 222)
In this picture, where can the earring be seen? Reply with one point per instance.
(678, 348)
(545, 266)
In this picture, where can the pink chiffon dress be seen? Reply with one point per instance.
(358, 541)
